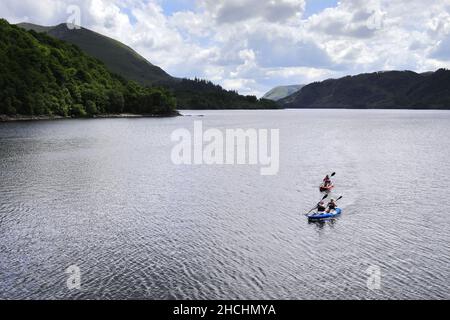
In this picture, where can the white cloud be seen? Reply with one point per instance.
(232, 11)
(253, 45)
(47, 11)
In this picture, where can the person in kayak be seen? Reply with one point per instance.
(321, 207)
(327, 181)
(332, 205)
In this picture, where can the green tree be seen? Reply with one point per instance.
(116, 101)
(77, 110)
(91, 108)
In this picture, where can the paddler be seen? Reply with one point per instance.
(327, 181)
(321, 207)
(332, 205)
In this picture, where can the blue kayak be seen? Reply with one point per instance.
(324, 216)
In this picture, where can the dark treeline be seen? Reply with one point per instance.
(203, 94)
(40, 75)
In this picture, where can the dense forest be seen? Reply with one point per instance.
(41, 75)
(122, 60)
(203, 94)
(379, 90)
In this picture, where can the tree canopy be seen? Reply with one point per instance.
(203, 94)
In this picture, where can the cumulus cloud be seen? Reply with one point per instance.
(232, 11)
(47, 11)
(287, 52)
(358, 19)
(254, 45)
(442, 50)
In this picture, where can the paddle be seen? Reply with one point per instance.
(324, 197)
(332, 175)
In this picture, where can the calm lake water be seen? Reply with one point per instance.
(104, 195)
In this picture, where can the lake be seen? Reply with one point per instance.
(104, 196)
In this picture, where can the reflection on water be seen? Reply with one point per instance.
(104, 195)
(320, 224)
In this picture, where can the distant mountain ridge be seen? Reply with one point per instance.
(379, 90)
(124, 61)
(281, 92)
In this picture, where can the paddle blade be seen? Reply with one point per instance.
(324, 197)
(333, 174)
(339, 198)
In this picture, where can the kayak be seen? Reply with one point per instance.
(316, 216)
(326, 189)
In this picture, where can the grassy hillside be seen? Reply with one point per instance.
(120, 59)
(380, 90)
(281, 92)
(40, 75)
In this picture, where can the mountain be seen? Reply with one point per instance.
(120, 59)
(281, 92)
(379, 90)
(41, 75)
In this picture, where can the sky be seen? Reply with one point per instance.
(254, 45)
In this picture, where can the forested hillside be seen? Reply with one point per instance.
(378, 90)
(203, 94)
(41, 75)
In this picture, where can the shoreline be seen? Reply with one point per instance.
(178, 113)
(22, 118)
